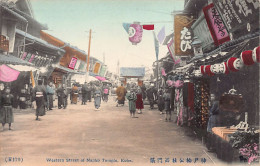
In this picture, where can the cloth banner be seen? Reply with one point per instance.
(170, 46)
(148, 27)
(126, 26)
(156, 45)
(72, 63)
(8, 74)
(161, 35)
(100, 78)
(97, 67)
(32, 79)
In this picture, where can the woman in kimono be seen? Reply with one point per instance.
(139, 101)
(131, 96)
(6, 111)
(97, 98)
(120, 92)
(74, 94)
(40, 97)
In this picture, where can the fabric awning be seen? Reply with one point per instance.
(10, 59)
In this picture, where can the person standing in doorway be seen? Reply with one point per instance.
(139, 101)
(131, 96)
(6, 110)
(40, 97)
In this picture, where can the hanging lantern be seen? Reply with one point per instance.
(219, 68)
(234, 64)
(247, 57)
(256, 54)
(135, 32)
(208, 70)
(226, 71)
(197, 73)
(202, 69)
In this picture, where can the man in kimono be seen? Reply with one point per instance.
(50, 93)
(74, 94)
(62, 96)
(40, 97)
(131, 96)
(120, 92)
(84, 93)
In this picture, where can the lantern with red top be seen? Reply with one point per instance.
(234, 64)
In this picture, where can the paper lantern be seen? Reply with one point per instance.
(234, 64)
(208, 70)
(226, 68)
(202, 69)
(197, 73)
(256, 54)
(219, 68)
(135, 32)
(247, 58)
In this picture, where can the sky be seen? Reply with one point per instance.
(71, 20)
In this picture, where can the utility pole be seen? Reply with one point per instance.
(87, 74)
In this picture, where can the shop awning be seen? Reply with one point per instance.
(38, 40)
(10, 59)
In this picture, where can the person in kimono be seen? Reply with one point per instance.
(6, 110)
(167, 105)
(105, 93)
(97, 98)
(160, 101)
(84, 93)
(50, 93)
(74, 94)
(131, 96)
(62, 96)
(40, 97)
(121, 92)
(139, 100)
(90, 91)
(151, 95)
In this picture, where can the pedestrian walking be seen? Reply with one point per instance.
(105, 93)
(151, 95)
(97, 98)
(160, 101)
(131, 96)
(62, 96)
(50, 92)
(84, 93)
(139, 101)
(90, 91)
(120, 92)
(40, 97)
(74, 94)
(167, 106)
(6, 110)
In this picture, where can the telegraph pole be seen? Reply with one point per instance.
(87, 59)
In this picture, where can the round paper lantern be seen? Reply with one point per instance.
(256, 54)
(197, 73)
(202, 69)
(247, 58)
(215, 68)
(234, 64)
(208, 71)
(135, 32)
(226, 71)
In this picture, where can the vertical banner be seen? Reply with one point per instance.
(183, 35)
(77, 65)
(156, 46)
(102, 70)
(216, 26)
(73, 62)
(32, 79)
(96, 68)
(170, 46)
(239, 16)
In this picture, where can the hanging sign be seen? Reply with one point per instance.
(239, 16)
(216, 26)
(97, 67)
(73, 62)
(183, 35)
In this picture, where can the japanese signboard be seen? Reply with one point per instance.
(239, 15)
(73, 62)
(97, 67)
(216, 26)
(183, 35)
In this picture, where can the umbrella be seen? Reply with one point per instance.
(8, 74)
(100, 78)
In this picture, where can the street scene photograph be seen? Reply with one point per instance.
(129, 82)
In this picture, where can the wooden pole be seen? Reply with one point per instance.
(88, 55)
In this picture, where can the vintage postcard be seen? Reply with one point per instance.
(129, 82)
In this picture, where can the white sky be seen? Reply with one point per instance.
(70, 21)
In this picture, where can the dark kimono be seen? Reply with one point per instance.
(6, 110)
(40, 97)
(160, 101)
(84, 94)
(97, 99)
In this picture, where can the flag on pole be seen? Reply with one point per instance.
(126, 26)
(161, 35)
(156, 45)
(8, 74)
(148, 27)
